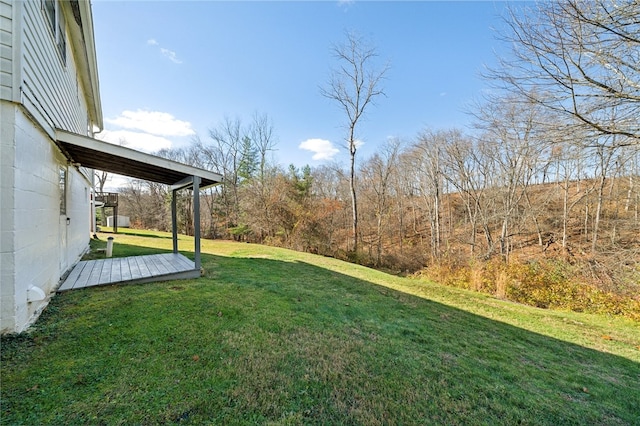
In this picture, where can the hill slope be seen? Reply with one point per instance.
(275, 336)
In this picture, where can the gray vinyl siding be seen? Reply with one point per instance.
(50, 84)
(6, 50)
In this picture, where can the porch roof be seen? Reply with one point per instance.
(97, 154)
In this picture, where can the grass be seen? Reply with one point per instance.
(271, 336)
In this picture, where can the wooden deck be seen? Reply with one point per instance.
(130, 270)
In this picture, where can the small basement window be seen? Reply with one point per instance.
(62, 182)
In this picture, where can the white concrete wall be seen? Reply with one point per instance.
(34, 248)
(79, 215)
(7, 233)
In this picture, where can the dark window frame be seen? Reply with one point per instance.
(52, 9)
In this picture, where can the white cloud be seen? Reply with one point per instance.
(115, 182)
(322, 148)
(171, 55)
(153, 122)
(135, 140)
(358, 143)
(345, 3)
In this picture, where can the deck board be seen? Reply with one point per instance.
(134, 269)
(105, 275)
(96, 274)
(144, 268)
(151, 265)
(73, 276)
(129, 270)
(184, 261)
(116, 271)
(157, 264)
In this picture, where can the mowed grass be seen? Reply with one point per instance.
(272, 336)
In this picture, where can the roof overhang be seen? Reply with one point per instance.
(96, 154)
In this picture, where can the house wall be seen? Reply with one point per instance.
(41, 244)
(38, 244)
(50, 87)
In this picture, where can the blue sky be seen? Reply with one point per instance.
(172, 69)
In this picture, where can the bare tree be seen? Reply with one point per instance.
(377, 174)
(102, 177)
(146, 203)
(259, 190)
(427, 169)
(225, 153)
(331, 192)
(402, 184)
(262, 135)
(513, 144)
(353, 86)
(579, 59)
(604, 156)
(469, 171)
(184, 198)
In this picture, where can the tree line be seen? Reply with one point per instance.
(443, 195)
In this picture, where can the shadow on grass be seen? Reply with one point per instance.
(259, 340)
(97, 250)
(135, 232)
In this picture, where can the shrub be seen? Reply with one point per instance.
(549, 284)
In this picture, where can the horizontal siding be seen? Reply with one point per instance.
(49, 84)
(5, 8)
(6, 49)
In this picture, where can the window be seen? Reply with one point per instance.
(62, 183)
(49, 7)
(55, 19)
(61, 39)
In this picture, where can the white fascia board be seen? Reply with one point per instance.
(90, 67)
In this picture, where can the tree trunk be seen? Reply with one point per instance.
(565, 212)
(596, 221)
(535, 219)
(379, 240)
(504, 243)
(354, 200)
(436, 220)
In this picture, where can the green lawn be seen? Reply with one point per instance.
(272, 336)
